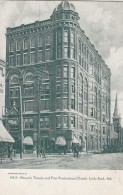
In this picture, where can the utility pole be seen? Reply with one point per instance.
(21, 124)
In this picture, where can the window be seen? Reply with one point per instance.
(58, 121)
(29, 91)
(25, 58)
(40, 56)
(32, 57)
(47, 54)
(91, 70)
(28, 106)
(59, 52)
(65, 87)
(91, 86)
(104, 131)
(92, 128)
(73, 104)
(14, 92)
(11, 61)
(66, 52)
(14, 79)
(45, 88)
(18, 44)
(72, 37)
(59, 36)
(32, 42)
(57, 87)
(58, 72)
(11, 46)
(65, 36)
(72, 72)
(40, 41)
(72, 121)
(72, 52)
(48, 40)
(44, 122)
(45, 104)
(28, 123)
(65, 103)
(65, 71)
(18, 60)
(85, 110)
(58, 103)
(25, 43)
(104, 118)
(80, 122)
(65, 121)
(72, 87)
(92, 112)
(29, 77)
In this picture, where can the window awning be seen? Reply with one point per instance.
(60, 141)
(4, 134)
(75, 141)
(28, 141)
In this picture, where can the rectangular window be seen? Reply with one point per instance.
(28, 123)
(72, 121)
(18, 60)
(92, 128)
(58, 121)
(65, 89)
(25, 58)
(11, 46)
(72, 72)
(91, 70)
(65, 103)
(28, 106)
(14, 92)
(72, 87)
(65, 121)
(40, 41)
(45, 105)
(65, 36)
(73, 104)
(58, 72)
(58, 103)
(72, 37)
(59, 52)
(44, 122)
(40, 56)
(11, 61)
(59, 36)
(47, 54)
(57, 87)
(29, 91)
(85, 110)
(65, 71)
(72, 52)
(92, 113)
(80, 123)
(66, 52)
(32, 58)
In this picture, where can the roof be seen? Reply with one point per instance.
(4, 134)
(28, 141)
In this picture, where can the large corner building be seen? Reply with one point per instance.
(72, 101)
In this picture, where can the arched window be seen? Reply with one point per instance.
(40, 41)
(32, 42)
(11, 46)
(18, 44)
(25, 43)
(29, 77)
(14, 79)
(47, 39)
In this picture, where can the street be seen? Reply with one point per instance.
(112, 161)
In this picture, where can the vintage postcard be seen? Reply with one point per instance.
(61, 97)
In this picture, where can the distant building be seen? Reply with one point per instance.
(74, 97)
(117, 126)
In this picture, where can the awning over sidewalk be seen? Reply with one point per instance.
(60, 141)
(28, 141)
(75, 141)
(4, 134)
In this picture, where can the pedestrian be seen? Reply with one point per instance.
(42, 152)
(11, 153)
(76, 150)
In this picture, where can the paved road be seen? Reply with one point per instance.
(90, 161)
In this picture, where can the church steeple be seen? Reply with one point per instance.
(115, 114)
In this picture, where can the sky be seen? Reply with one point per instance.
(101, 21)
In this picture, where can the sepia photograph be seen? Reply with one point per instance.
(61, 85)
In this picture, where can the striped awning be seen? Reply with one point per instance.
(28, 141)
(60, 141)
(75, 141)
(4, 134)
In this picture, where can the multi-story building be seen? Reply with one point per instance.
(2, 86)
(74, 96)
